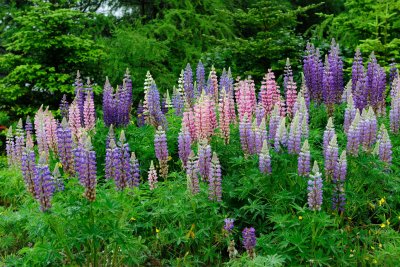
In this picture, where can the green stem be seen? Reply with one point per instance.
(94, 251)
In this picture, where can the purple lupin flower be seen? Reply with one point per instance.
(85, 163)
(28, 125)
(192, 174)
(214, 180)
(260, 113)
(28, 165)
(44, 183)
(113, 161)
(79, 96)
(65, 143)
(204, 161)
(368, 129)
(329, 88)
(177, 102)
(304, 160)
(359, 91)
(19, 142)
(161, 149)
(123, 178)
(264, 163)
(135, 171)
(249, 241)
(110, 136)
(10, 147)
(155, 116)
(184, 142)
(393, 73)
(385, 148)
(261, 135)
(339, 178)
(294, 139)
(313, 72)
(229, 224)
(200, 77)
(152, 176)
(331, 156)
(336, 68)
(376, 85)
(353, 136)
(328, 134)
(315, 189)
(64, 107)
(108, 103)
(58, 181)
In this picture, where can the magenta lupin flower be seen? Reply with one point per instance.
(354, 136)
(204, 160)
(264, 159)
(65, 144)
(331, 156)
(184, 145)
(192, 174)
(339, 178)
(152, 177)
(304, 160)
(189, 121)
(315, 189)
(385, 147)
(249, 241)
(224, 116)
(161, 149)
(89, 115)
(214, 180)
(44, 183)
(28, 165)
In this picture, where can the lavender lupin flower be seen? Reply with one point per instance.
(264, 163)
(304, 160)
(315, 189)
(294, 139)
(152, 176)
(28, 125)
(188, 84)
(64, 107)
(44, 183)
(204, 161)
(281, 137)
(161, 149)
(140, 116)
(353, 136)
(177, 102)
(200, 77)
(123, 179)
(28, 166)
(65, 143)
(214, 180)
(10, 147)
(331, 156)
(89, 113)
(184, 142)
(58, 181)
(192, 173)
(349, 113)
(339, 178)
(229, 224)
(395, 106)
(328, 134)
(393, 73)
(113, 160)
(245, 132)
(369, 129)
(19, 142)
(249, 241)
(135, 171)
(385, 148)
(274, 123)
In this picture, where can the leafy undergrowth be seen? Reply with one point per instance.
(170, 227)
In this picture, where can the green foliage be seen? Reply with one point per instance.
(44, 48)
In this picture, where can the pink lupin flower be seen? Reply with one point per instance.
(270, 94)
(189, 121)
(40, 129)
(204, 117)
(224, 116)
(213, 116)
(214, 82)
(89, 113)
(152, 176)
(75, 120)
(246, 98)
(290, 90)
(51, 130)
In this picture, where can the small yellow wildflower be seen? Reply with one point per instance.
(387, 222)
(132, 219)
(383, 225)
(382, 201)
(157, 230)
(300, 218)
(169, 158)
(380, 245)
(60, 165)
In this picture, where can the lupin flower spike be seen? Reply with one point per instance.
(315, 189)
